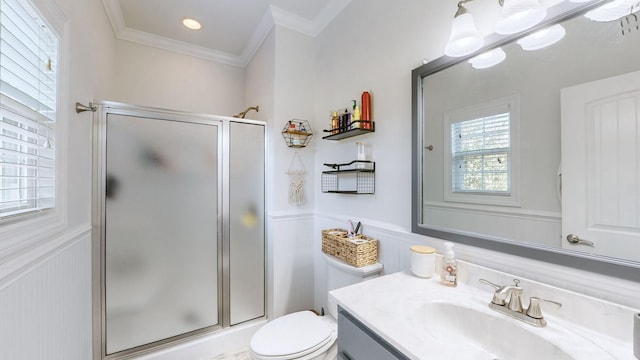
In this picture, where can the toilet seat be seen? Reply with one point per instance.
(294, 336)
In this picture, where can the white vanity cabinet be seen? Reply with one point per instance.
(357, 342)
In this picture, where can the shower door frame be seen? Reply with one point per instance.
(99, 142)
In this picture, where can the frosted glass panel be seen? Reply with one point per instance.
(161, 229)
(246, 218)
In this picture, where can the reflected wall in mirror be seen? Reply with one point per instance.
(492, 161)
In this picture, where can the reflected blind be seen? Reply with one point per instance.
(28, 57)
(481, 155)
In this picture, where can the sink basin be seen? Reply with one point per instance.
(480, 333)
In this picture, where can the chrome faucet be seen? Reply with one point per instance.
(508, 300)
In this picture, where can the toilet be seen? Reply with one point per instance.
(304, 335)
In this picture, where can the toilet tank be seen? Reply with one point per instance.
(340, 274)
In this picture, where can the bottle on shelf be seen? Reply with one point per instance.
(346, 121)
(355, 120)
(335, 122)
(365, 102)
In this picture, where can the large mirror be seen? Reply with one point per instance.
(539, 155)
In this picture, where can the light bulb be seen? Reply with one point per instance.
(543, 38)
(464, 38)
(488, 59)
(191, 24)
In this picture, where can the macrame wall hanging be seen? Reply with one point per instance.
(296, 181)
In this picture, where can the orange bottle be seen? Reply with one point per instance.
(366, 110)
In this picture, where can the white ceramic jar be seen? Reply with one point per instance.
(423, 261)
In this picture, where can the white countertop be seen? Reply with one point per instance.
(391, 306)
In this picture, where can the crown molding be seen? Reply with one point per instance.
(273, 16)
(292, 21)
(182, 47)
(114, 13)
(259, 35)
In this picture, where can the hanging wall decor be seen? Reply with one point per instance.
(296, 181)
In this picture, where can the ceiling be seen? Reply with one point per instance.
(232, 30)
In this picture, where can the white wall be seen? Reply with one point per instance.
(154, 77)
(373, 45)
(290, 233)
(279, 79)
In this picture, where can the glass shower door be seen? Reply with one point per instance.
(161, 229)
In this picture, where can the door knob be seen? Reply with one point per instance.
(575, 239)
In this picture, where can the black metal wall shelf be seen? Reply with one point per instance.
(363, 127)
(356, 177)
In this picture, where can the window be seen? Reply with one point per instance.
(28, 61)
(480, 149)
(482, 143)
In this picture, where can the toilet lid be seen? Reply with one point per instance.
(293, 334)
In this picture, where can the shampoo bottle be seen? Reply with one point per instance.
(449, 272)
(355, 119)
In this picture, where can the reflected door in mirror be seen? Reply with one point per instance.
(601, 165)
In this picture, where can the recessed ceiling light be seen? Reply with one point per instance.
(191, 24)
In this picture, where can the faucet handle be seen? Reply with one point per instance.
(498, 297)
(534, 309)
(487, 282)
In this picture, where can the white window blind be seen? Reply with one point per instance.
(481, 155)
(28, 59)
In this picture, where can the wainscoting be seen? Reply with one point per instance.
(45, 305)
(394, 243)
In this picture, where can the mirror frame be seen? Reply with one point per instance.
(619, 268)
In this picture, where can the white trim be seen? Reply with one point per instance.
(271, 17)
(379, 226)
(290, 215)
(182, 47)
(18, 264)
(259, 35)
(292, 21)
(115, 15)
(493, 210)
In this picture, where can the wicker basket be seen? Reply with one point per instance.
(358, 251)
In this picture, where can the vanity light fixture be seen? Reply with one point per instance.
(519, 15)
(613, 10)
(543, 38)
(465, 38)
(488, 59)
(192, 24)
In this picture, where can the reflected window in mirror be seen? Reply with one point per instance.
(482, 143)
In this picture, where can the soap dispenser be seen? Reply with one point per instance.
(449, 272)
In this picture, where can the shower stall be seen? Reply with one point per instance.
(178, 226)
